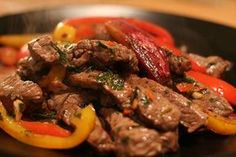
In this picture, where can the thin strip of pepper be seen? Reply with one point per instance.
(152, 58)
(221, 125)
(83, 124)
(225, 89)
(88, 23)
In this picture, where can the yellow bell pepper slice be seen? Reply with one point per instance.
(82, 122)
(17, 40)
(221, 125)
(56, 73)
(64, 33)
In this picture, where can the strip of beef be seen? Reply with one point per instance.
(103, 54)
(209, 100)
(68, 103)
(110, 84)
(178, 64)
(191, 117)
(14, 87)
(215, 65)
(100, 139)
(132, 139)
(43, 48)
(29, 68)
(152, 108)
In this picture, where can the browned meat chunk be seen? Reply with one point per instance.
(209, 100)
(191, 116)
(14, 87)
(100, 139)
(103, 53)
(215, 65)
(154, 109)
(43, 48)
(28, 68)
(66, 104)
(110, 83)
(132, 139)
(178, 64)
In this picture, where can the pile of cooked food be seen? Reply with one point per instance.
(120, 84)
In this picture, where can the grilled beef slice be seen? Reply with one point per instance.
(155, 110)
(14, 87)
(214, 65)
(43, 48)
(212, 101)
(107, 82)
(68, 103)
(100, 139)
(191, 116)
(103, 54)
(28, 68)
(178, 64)
(132, 139)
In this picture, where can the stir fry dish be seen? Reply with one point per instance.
(119, 84)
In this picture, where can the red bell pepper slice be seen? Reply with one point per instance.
(151, 57)
(225, 89)
(45, 128)
(154, 30)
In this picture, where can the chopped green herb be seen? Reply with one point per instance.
(145, 100)
(63, 49)
(49, 115)
(111, 79)
(78, 115)
(213, 100)
(80, 69)
(63, 55)
(189, 103)
(105, 45)
(189, 80)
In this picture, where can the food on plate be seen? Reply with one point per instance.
(120, 84)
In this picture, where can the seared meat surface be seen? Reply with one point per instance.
(100, 139)
(178, 64)
(111, 84)
(43, 48)
(103, 54)
(132, 139)
(151, 107)
(14, 87)
(212, 101)
(68, 103)
(214, 65)
(191, 115)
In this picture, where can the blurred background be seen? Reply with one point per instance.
(219, 11)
